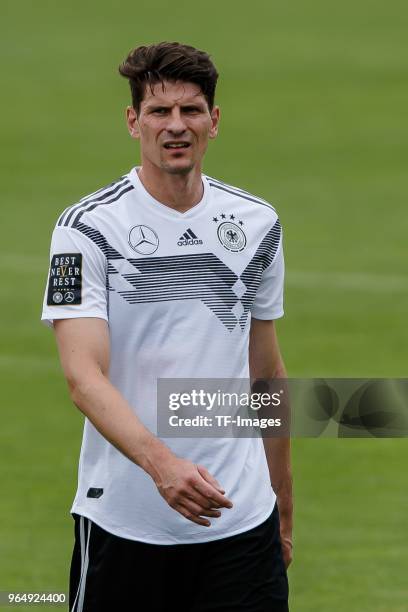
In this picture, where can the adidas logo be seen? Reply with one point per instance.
(189, 238)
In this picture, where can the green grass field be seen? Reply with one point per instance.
(314, 98)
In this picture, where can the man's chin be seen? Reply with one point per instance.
(180, 169)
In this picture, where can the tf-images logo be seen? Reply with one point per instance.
(188, 239)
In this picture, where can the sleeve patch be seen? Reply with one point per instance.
(65, 280)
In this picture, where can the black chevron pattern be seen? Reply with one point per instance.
(198, 276)
(185, 277)
(252, 275)
(100, 240)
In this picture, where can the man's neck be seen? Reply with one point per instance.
(178, 191)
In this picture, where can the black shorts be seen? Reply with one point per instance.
(243, 572)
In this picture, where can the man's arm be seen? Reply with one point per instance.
(265, 361)
(84, 349)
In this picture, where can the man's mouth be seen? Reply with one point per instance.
(176, 145)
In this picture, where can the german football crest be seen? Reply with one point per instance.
(230, 234)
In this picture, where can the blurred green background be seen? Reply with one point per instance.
(314, 98)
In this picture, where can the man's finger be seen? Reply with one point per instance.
(213, 495)
(202, 501)
(191, 517)
(209, 478)
(199, 510)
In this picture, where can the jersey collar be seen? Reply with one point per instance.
(148, 200)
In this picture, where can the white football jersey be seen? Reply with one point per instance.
(178, 291)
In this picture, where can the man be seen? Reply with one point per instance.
(167, 273)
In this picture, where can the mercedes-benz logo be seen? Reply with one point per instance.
(143, 239)
(69, 297)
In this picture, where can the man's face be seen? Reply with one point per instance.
(173, 126)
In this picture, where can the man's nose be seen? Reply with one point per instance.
(176, 124)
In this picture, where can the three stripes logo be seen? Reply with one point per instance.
(188, 239)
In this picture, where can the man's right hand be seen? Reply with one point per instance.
(84, 346)
(191, 490)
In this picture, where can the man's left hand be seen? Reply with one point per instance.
(287, 549)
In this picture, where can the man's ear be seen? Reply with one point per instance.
(132, 122)
(215, 120)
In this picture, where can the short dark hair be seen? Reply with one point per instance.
(168, 61)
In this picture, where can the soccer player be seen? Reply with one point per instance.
(168, 273)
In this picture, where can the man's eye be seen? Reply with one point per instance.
(160, 111)
(191, 109)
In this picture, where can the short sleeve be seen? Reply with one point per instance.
(268, 303)
(76, 285)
